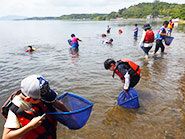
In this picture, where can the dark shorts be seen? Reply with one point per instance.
(135, 34)
(146, 49)
(169, 30)
(134, 80)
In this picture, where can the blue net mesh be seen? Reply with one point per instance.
(168, 40)
(80, 111)
(128, 99)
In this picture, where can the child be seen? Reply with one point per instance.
(108, 29)
(147, 39)
(170, 27)
(135, 31)
(30, 49)
(120, 31)
(24, 118)
(103, 35)
(108, 41)
(74, 41)
(161, 36)
(127, 70)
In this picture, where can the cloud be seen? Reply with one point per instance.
(32, 8)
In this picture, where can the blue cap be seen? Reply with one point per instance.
(47, 95)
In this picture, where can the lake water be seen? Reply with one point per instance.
(161, 88)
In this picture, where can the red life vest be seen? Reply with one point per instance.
(133, 66)
(149, 37)
(46, 130)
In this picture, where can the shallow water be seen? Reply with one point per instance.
(161, 88)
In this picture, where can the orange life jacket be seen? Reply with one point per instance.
(120, 31)
(149, 37)
(170, 25)
(134, 68)
(47, 130)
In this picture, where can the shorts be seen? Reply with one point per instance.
(135, 34)
(134, 80)
(169, 30)
(146, 49)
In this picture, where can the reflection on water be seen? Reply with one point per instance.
(74, 55)
(161, 87)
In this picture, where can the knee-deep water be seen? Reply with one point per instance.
(161, 88)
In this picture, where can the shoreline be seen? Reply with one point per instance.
(144, 19)
(117, 19)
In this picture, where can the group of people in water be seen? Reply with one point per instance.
(148, 37)
(24, 110)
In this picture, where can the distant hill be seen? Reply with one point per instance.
(41, 18)
(141, 10)
(68, 17)
(12, 17)
(155, 9)
(80, 16)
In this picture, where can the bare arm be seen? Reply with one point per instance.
(9, 133)
(59, 105)
(79, 40)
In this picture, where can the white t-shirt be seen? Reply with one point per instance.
(12, 120)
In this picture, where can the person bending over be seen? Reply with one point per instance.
(127, 70)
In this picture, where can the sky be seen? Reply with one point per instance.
(41, 8)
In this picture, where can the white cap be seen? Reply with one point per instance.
(31, 86)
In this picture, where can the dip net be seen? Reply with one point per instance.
(80, 110)
(128, 99)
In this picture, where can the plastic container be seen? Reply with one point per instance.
(168, 40)
(80, 111)
(128, 99)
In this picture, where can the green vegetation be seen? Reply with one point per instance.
(155, 9)
(141, 10)
(80, 16)
(41, 18)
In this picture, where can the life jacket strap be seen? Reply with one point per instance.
(137, 68)
(118, 63)
(115, 70)
(19, 111)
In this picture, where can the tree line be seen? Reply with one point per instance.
(141, 10)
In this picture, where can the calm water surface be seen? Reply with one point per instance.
(161, 88)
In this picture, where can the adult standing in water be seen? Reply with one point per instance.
(127, 70)
(108, 29)
(161, 36)
(147, 39)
